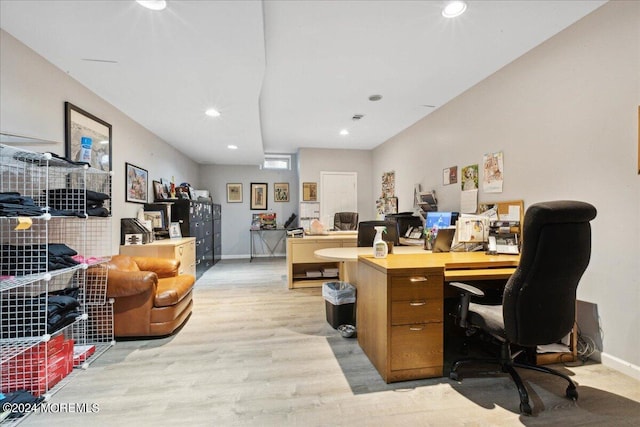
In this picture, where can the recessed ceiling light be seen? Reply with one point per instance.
(232, 147)
(153, 4)
(454, 8)
(375, 97)
(212, 112)
(344, 132)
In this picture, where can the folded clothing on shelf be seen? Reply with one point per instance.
(33, 317)
(18, 260)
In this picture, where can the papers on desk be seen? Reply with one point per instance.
(330, 272)
(314, 273)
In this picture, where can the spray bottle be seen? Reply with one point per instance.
(380, 248)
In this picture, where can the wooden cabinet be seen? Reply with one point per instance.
(196, 218)
(400, 321)
(183, 250)
(301, 258)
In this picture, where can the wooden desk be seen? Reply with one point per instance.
(400, 301)
(301, 258)
(348, 258)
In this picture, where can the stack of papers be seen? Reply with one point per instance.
(314, 273)
(330, 272)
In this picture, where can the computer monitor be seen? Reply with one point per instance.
(367, 231)
(441, 219)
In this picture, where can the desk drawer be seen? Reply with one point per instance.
(419, 310)
(416, 287)
(416, 346)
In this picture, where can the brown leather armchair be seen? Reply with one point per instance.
(151, 298)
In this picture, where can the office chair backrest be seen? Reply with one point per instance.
(540, 297)
(367, 232)
(345, 221)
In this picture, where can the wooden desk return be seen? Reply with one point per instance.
(400, 307)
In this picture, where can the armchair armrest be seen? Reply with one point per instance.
(466, 291)
(128, 283)
(163, 267)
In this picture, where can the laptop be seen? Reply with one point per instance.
(444, 238)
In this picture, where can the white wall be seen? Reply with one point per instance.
(32, 96)
(566, 117)
(236, 217)
(312, 161)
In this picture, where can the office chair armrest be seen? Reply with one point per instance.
(465, 297)
(467, 289)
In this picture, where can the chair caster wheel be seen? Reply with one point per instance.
(453, 376)
(525, 408)
(572, 393)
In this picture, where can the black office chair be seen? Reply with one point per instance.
(367, 232)
(539, 300)
(345, 221)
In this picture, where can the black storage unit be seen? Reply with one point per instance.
(196, 220)
(217, 233)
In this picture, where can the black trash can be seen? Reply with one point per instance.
(340, 303)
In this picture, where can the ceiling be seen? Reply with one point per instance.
(283, 74)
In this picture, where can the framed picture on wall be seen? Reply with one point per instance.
(137, 183)
(234, 193)
(87, 138)
(258, 196)
(309, 191)
(281, 191)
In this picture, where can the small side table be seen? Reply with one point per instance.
(282, 232)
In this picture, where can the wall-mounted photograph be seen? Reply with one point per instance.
(137, 184)
(281, 191)
(309, 191)
(87, 138)
(234, 193)
(258, 195)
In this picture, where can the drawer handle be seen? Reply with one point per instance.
(417, 303)
(416, 328)
(181, 249)
(418, 279)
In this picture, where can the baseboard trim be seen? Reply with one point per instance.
(277, 255)
(620, 365)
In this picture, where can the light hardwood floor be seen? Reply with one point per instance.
(255, 353)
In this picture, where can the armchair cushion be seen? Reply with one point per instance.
(172, 290)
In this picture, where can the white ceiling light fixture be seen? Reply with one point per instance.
(232, 147)
(454, 8)
(153, 4)
(212, 112)
(344, 132)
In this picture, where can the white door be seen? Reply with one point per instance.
(338, 193)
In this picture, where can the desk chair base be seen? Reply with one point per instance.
(508, 365)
